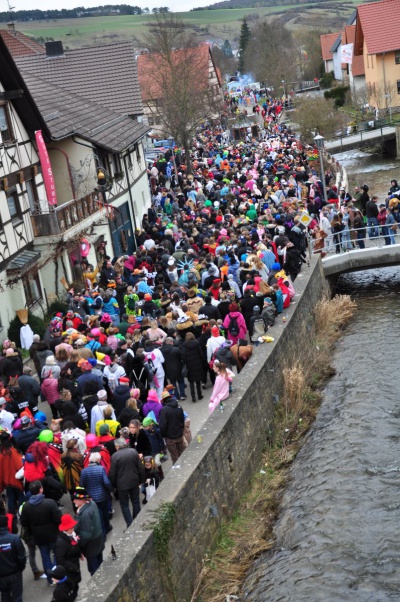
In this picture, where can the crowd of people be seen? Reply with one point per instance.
(216, 258)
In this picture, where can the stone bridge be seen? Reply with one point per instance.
(359, 259)
(388, 136)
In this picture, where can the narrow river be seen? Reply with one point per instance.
(337, 537)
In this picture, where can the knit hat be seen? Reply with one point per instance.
(147, 421)
(67, 522)
(124, 380)
(104, 429)
(58, 572)
(215, 331)
(147, 297)
(91, 441)
(102, 395)
(152, 395)
(81, 494)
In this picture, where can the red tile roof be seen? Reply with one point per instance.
(327, 41)
(151, 85)
(19, 44)
(379, 26)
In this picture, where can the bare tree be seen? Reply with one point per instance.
(176, 87)
(317, 115)
(383, 95)
(271, 54)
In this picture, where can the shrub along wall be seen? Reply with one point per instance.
(160, 555)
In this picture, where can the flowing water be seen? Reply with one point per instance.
(337, 537)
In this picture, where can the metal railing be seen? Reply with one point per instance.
(350, 242)
(365, 134)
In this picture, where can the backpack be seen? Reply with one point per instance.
(150, 366)
(233, 327)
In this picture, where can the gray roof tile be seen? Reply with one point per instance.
(106, 74)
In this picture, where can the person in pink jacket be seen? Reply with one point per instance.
(238, 318)
(50, 392)
(221, 385)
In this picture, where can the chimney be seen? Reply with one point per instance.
(54, 49)
(11, 26)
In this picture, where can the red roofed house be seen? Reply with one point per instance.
(377, 40)
(327, 41)
(355, 70)
(204, 73)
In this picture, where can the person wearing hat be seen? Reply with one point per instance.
(12, 563)
(88, 529)
(68, 552)
(27, 434)
(65, 589)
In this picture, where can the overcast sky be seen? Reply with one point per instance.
(176, 5)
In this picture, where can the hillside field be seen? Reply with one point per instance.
(209, 25)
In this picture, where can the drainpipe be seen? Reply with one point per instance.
(384, 80)
(71, 179)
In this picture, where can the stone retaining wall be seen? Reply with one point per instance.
(209, 479)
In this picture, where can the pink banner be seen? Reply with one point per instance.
(48, 177)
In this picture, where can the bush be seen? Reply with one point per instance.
(338, 94)
(57, 306)
(326, 80)
(37, 324)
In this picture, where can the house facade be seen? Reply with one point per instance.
(151, 88)
(378, 42)
(327, 40)
(97, 161)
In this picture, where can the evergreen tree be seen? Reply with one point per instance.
(227, 49)
(244, 39)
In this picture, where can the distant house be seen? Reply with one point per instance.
(90, 120)
(377, 40)
(327, 41)
(354, 70)
(206, 74)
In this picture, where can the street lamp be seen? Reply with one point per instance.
(319, 143)
(102, 184)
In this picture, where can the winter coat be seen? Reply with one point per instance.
(49, 390)
(42, 355)
(127, 469)
(120, 397)
(293, 261)
(68, 555)
(127, 415)
(211, 311)
(194, 361)
(268, 314)
(246, 305)
(41, 517)
(71, 464)
(152, 406)
(91, 538)
(173, 362)
(241, 324)
(213, 344)
(29, 387)
(224, 356)
(172, 420)
(24, 437)
(140, 442)
(96, 482)
(11, 366)
(12, 554)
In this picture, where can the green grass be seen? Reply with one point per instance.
(206, 24)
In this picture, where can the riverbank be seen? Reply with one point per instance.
(172, 535)
(250, 531)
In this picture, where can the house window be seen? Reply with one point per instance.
(5, 125)
(116, 163)
(138, 155)
(398, 86)
(397, 57)
(151, 120)
(32, 290)
(31, 191)
(13, 204)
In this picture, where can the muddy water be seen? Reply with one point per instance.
(337, 537)
(374, 170)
